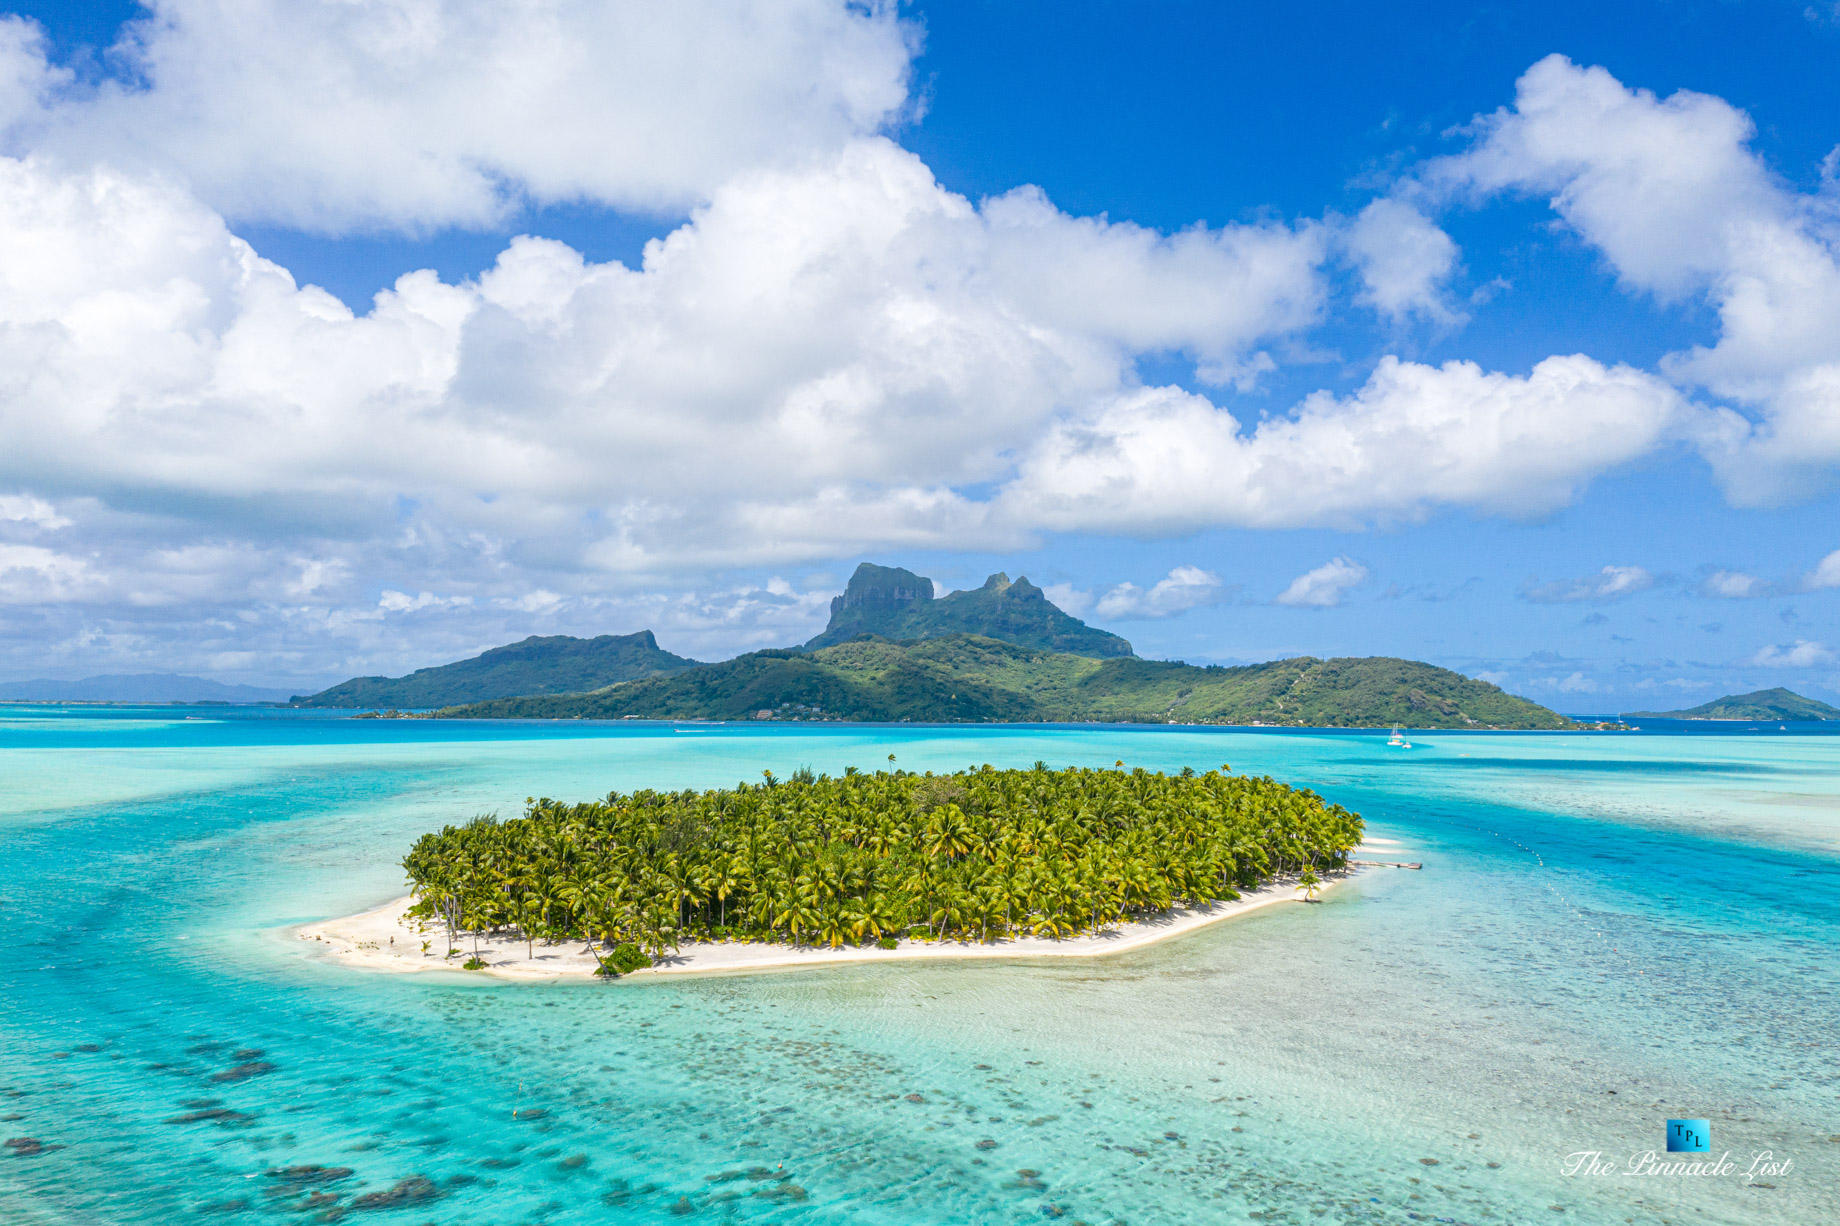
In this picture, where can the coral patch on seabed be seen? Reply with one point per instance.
(415, 1190)
(310, 1174)
(211, 1111)
(243, 1072)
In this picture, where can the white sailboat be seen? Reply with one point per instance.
(1398, 741)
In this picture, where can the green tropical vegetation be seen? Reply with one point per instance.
(864, 858)
(972, 678)
(1001, 652)
(548, 665)
(892, 603)
(1777, 703)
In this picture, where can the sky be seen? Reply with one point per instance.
(346, 337)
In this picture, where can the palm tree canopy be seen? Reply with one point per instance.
(978, 853)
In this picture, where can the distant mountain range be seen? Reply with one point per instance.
(1779, 704)
(1000, 652)
(136, 687)
(898, 604)
(964, 677)
(553, 665)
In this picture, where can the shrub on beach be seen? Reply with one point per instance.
(625, 959)
(974, 855)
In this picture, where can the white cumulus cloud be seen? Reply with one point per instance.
(1324, 587)
(1733, 585)
(1672, 194)
(21, 509)
(1414, 438)
(30, 574)
(807, 367)
(1824, 575)
(1209, 293)
(1184, 588)
(1068, 598)
(1803, 653)
(351, 114)
(1404, 260)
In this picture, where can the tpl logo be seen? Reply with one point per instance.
(1689, 1136)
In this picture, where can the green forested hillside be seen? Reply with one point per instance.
(973, 678)
(553, 665)
(1777, 703)
(898, 604)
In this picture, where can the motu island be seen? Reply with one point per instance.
(983, 861)
(1778, 703)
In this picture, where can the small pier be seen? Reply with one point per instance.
(1385, 864)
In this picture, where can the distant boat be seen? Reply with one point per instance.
(1396, 741)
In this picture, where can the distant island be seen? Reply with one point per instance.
(137, 688)
(1777, 704)
(552, 665)
(970, 678)
(894, 652)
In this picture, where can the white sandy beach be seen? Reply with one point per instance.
(382, 940)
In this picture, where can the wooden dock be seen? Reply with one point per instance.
(1385, 864)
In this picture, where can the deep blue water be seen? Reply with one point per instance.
(1608, 931)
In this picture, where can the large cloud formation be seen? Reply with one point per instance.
(1669, 190)
(832, 353)
(418, 113)
(816, 358)
(1415, 437)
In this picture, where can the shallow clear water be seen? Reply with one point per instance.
(1654, 915)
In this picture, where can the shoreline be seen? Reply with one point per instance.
(740, 721)
(378, 940)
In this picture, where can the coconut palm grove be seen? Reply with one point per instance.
(975, 855)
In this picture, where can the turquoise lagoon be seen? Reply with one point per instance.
(1608, 931)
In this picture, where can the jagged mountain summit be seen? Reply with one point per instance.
(1777, 703)
(557, 664)
(897, 604)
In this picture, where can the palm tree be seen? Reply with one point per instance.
(950, 910)
(947, 833)
(721, 879)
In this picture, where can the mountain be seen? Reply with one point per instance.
(965, 677)
(898, 604)
(136, 687)
(554, 665)
(1778, 704)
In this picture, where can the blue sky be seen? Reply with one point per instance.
(927, 290)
